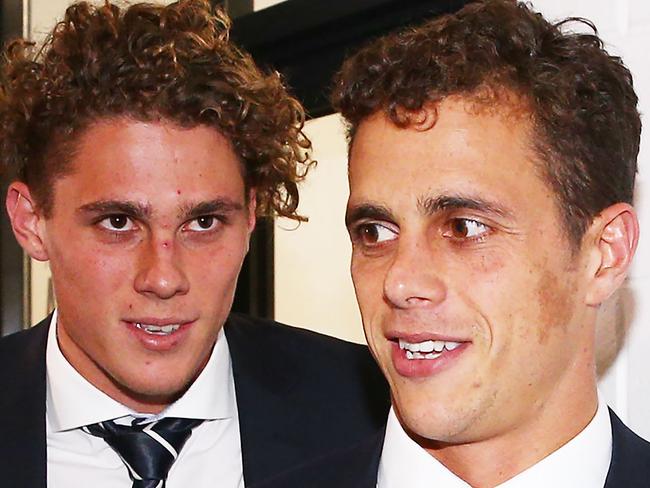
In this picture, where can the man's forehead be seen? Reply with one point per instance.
(467, 159)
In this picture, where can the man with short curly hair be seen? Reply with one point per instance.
(491, 168)
(142, 145)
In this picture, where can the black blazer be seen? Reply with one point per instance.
(356, 467)
(300, 395)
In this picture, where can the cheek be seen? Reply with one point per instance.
(368, 280)
(85, 266)
(555, 299)
(215, 266)
(368, 288)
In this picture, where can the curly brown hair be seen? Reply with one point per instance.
(148, 62)
(586, 127)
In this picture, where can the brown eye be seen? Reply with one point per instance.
(467, 228)
(205, 222)
(118, 221)
(372, 234)
(369, 234)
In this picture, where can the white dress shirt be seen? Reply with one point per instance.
(211, 457)
(582, 462)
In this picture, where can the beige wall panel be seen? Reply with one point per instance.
(313, 288)
(260, 4)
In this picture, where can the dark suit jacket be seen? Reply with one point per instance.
(356, 466)
(299, 396)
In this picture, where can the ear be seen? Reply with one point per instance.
(615, 237)
(26, 220)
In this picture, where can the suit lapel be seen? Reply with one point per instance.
(361, 465)
(630, 466)
(263, 382)
(355, 466)
(23, 450)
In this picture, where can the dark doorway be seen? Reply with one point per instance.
(12, 296)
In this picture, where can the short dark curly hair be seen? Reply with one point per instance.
(586, 127)
(148, 62)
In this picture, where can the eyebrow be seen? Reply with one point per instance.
(430, 205)
(216, 206)
(367, 211)
(143, 211)
(132, 209)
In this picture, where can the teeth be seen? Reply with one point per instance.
(158, 330)
(432, 356)
(414, 349)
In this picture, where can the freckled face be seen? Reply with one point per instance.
(145, 243)
(458, 251)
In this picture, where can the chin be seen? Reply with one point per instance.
(154, 391)
(425, 419)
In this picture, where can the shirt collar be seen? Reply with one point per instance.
(72, 401)
(583, 461)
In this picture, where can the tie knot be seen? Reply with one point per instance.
(148, 450)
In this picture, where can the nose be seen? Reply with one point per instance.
(160, 272)
(412, 279)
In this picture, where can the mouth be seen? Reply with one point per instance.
(160, 330)
(415, 356)
(159, 334)
(428, 349)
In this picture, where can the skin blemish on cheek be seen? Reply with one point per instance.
(555, 308)
(165, 244)
(178, 192)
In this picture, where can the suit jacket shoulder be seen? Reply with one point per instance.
(630, 466)
(357, 466)
(300, 394)
(23, 455)
(352, 467)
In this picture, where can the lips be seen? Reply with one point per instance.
(423, 355)
(158, 329)
(157, 334)
(427, 349)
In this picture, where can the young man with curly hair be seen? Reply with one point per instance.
(492, 164)
(142, 145)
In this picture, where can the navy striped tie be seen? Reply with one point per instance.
(148, 450)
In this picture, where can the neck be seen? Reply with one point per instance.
(494, 460)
